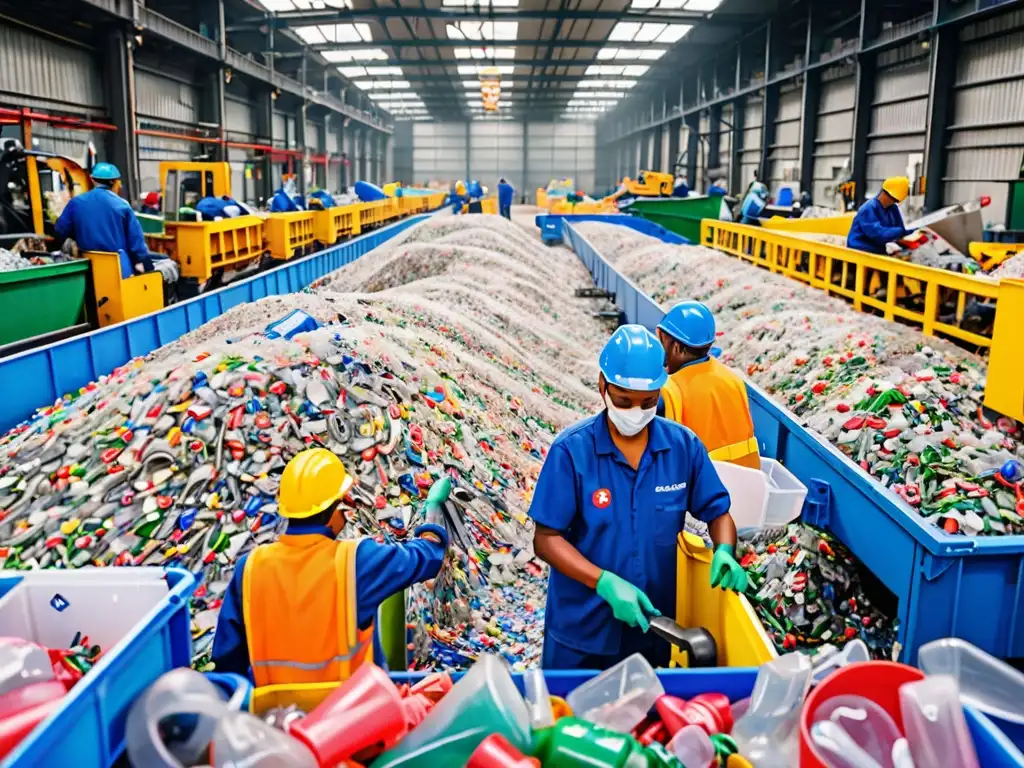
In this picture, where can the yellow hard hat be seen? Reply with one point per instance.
(898, 187)
(460, 188)
(312, 481)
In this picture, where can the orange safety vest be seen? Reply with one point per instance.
(299, 606)
(712, 401)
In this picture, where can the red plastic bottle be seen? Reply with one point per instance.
(710, 711)
(363, 717)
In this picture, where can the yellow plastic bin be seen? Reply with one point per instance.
(828, 225)
(306, 696)
(203, 246)
(290, 233)
(729, 617)
(327, 225)
(119, 299)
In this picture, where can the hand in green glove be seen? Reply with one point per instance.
(628, 603)
(725, 571)
(436, 497)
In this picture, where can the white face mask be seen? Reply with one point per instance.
(629, 421)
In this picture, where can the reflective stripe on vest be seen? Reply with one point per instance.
(299, 607)
(734, 451)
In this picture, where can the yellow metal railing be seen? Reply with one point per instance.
(898, 290)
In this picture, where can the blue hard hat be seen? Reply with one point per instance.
(105, 172)
(691, 323)
(634, 359)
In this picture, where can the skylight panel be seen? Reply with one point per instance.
(673, 33)
(473, 69)
(353, 71)
(624, 31)
(649, 32)
(378, 71)
(483, 30)
(635, 70)
(281, 6)
(485, 3)
(378, 85)
(355, 54)
(335, 33)
(702, 5)
(487, 52)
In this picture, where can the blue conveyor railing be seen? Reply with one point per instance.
(946, 585)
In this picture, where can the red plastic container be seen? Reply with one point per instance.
(878, 681)
(496, 752)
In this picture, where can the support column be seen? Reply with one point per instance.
(468, 152)
(302, 144)
(523, 190)
(692, 148)
(867, 66)
(769, 114)
(739, 109)
(945, 44)
(346, 157)
(265, 135)
(809, 127)
(361, 152)
(657, 159)
(714, 138)
(389, 161)
(119, 77)
(323, 177)
(674, 127)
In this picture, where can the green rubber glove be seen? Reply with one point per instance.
(628, 603)
(436, 497)
(726, 572)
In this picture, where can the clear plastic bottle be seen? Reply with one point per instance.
(620, 697)
(766, 735)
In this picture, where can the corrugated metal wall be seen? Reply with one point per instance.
(751, 140)
(38, 71)
(558, 150)
(279, 127)
(162, 102)
(239, 117)
(784, 154)
(725, 142)
(899, 115)
(834, 137)
(666, 161)
(987, 135)
(496, 150)
(438, 151)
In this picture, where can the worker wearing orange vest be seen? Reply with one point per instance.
(701, 393)
(301, 610)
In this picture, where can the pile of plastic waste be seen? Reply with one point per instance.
(462, 356)
(1012, 267)
(907, 409)
(869, 714)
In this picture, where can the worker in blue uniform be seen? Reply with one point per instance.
(301, 610)
(754, 203)
(505, 194)
(610, 501)
(99, 220)
(282, 202)
(458, 198)
(879, 222)
(476, 197)
(213, 208)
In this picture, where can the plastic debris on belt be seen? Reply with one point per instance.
(1012, 267)
(906, 408)
(464, 355)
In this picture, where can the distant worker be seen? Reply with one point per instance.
(702, 393)
(611, 499)
(326, 199)
(213, 208)
(458, 198)
(151, 203)
(476, 197)
(282, 202)
(506, 192)
(99, 220)
(879, 222)
(301, 609)
(754, 204)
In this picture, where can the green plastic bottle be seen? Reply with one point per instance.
(484, 702)
(575, 743)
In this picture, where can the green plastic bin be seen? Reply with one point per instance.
(150, 223)
(681, 215)
(43, 299)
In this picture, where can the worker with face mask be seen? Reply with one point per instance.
(701, 393)
(610, 502)
(754, 204)
(879, 222)
(301, 610)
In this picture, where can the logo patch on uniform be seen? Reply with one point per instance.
(602, 498)
(669, 488)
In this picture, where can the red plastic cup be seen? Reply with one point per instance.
(710, 712)
(496, 752)
(878, 681)
(364, 716)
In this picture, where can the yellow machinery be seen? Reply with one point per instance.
(936, 301)
(487, 205)
(991, 255)
(828, 225)
(651, 184)
(117, 299)
(729, 617)
(330, 224)
(290, 233)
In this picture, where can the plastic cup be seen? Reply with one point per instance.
(869, 727)
(620, 697)
(985, 682)
(933, 719)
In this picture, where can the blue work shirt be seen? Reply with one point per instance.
(505, 193)
(621, 519)
(874, 226)
(282, 203)
(213, 208)
(99, 220)
(325, 198)
(381, 570)
(456, 201)
(753, 205)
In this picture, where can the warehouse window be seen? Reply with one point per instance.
(485, 53)
(281, 6)
(355, 54)
(627, 54)
(483, 30)
(335, 33)
(648, 32)
(702, 6)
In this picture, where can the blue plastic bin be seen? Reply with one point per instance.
(947, 586)
(993, 747)
(230, 684)
(139, 616)
(550, 226)
(40, 376)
